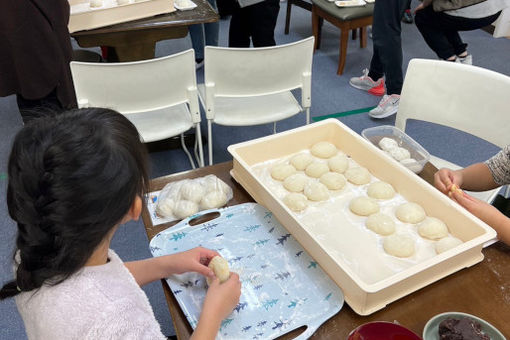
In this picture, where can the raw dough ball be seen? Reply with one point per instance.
(316, 191)
(339, 163)
(122, 2)
(410, 213)
(165, 208)
(447, 243)
(183, 209)
(323, 150)
(96, 3)
(316, 169)
(381, 190)
(213, 199)
(364, 206)
(301, 161)
(220, 268)
(381, 224)
(399, 245)
(333, 180)
(433, 229)
(295, 183)
(388, 143)
(295, 201)
(282, 171)
(192, 191)
(213, 183)
(399, 153)
(358, 175)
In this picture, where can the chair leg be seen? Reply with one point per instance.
(316, 29)
(363, 37)
(198, 137)
(307, 115)
(344, 38)
(287, 17)
(274, 127)
(187, 152)
(210, 141)
(354, 34)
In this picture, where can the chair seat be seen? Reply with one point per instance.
(163, 123)
(253, 110)
(345, 13)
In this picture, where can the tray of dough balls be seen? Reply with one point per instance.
(376, 228)
(90, 14)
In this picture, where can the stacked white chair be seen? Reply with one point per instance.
(253, 86)
(158, 95)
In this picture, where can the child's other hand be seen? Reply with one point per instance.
(445, 178)
(221, 298)
(194, 260)
(480, 209)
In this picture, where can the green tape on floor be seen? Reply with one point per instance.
(343, 114)
(3, 176)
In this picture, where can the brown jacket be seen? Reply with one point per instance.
(35, 49)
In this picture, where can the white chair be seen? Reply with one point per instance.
(158, 95)
(252, 86)
(468, 98)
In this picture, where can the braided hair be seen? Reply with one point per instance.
(71, 179)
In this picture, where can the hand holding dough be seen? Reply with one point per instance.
(220, 268)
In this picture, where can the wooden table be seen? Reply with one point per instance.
(136, 40)
(482, 290)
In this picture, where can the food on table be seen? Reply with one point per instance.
(380, 190)
(96, 3)
(412, 164)
(387, 144)
(461, 329)
(220, 268)
(399, 245)
(185, 208)
(213, 199)
(433, 229)
(316, 169)
(192, 191)
(165, 207)
(324, 150)
(364, 206)
(381, 224)
(282, 171)
(333, 180)
(295, 183)
(301, 161)
(338, 163)
(295, 201)
(410, 213)
(358, 175)
(316, 191)
(399, 153)
(447, 243)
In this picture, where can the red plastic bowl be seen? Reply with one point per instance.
(381, 330)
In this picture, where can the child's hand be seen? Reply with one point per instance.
(444, 179)
(193, 260)
(221, 298)
(480, 209)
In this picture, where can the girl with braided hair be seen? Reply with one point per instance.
(73, 180)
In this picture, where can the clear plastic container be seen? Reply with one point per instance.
(419, 156)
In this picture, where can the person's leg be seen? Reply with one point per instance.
(408, 16)
(239, 30)
(212, 30)
(196, 33)
(263, 22)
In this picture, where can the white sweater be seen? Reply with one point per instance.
(481, 10)
(98, 302)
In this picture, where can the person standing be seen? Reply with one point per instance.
(255, 19)
(35, 51)
(386, 59)
(208, 31)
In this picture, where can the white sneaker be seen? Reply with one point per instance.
(468, 60)
(387, 106)
(366, 83)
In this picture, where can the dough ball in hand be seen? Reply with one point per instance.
(295, 201)
(324, 150)
(447, 243)
(410, 213)
(316, 169)
(295, 183)
(381, 224)
(380, 190)
(316, 191)
(282, 171)
(220, 268)
(399, 245)
(333, 180)
(364, 206)
(339, 163)
(184, 208)
(433, 229)
(358, 175)
(301, 161)
(214, 199)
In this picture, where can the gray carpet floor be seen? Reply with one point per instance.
(330, 94)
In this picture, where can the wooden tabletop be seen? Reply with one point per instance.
(482, 290)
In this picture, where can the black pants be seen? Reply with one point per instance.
(33, 108)
(387, 57)
(256, 22)
(441, 31)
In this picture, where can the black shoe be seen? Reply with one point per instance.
(407, 17)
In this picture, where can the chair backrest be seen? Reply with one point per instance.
(242, 72)
(138, 86)
(464, 97)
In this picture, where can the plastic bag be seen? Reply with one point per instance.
(184, 198)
